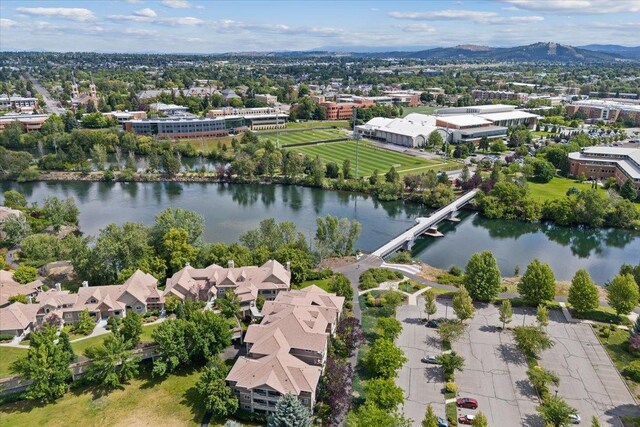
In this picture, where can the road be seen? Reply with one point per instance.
(51, 105)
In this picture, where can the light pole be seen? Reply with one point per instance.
(446, 310)
(356, 137)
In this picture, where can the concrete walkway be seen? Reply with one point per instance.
(412, 299)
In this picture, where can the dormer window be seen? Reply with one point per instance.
(93, 301)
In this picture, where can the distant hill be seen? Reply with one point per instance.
(630, 52)
(537, 52)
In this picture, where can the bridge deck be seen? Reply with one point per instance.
(423, 223)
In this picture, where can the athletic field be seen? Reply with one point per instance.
(303, 136)
(371, 158)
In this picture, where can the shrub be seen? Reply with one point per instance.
(319, 275)
(374, 276)
(403, 257)
(455, 271)
(5, 337)
(632, 371)
(25, 274)
(451, 387)
(634, 344)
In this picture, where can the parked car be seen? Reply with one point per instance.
(466, 419)
(442, 422)
(429, 359)
(467, 402)
(575, 418)
(432, 324)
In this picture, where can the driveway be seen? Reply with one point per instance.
(588, 380)
(422, 383)
(495, 371)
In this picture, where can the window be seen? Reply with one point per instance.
(68, 315)
(247, 407)
(138, 307)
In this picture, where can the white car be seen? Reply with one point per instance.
(575, 418)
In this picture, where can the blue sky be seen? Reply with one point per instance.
(225, 26)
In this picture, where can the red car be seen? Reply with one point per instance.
(467, 402)
(466, 419)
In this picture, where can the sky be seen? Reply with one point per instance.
(192, 26)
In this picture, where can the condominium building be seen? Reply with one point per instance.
(178, 128)
(248, 283)
(603, 162)
(286, 352)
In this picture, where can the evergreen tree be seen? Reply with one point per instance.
(538, 284)
(482, 276)
(290, 413)
(430, 419)
(64, 342)
(583, 293)
(542, 315)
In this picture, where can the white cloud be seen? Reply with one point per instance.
(140, 32)
(147, 18)
(231, 26)
(187, 20)
(465, 15)
(176, 4)
(578, 6)
(132, 1)
(146, 12)
(416, 28)
(7, 23)
(73, 13)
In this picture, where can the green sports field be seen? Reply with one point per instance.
(371, 158)
(304, 136)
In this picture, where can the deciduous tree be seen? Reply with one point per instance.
(506, 313)
(384, 359)
(217, 396)
(430, 307)
(538, 284)
(463, 305)
(384, 393)
(556, 411)
(482, 276)
(622, 293)
(583, 293)
(112, 363)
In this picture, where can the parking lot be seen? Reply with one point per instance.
(422, 383)
(495, 371)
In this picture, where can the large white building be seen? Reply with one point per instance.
(410, 131)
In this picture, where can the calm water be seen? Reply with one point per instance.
(231, 209)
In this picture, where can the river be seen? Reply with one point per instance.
(231, 209)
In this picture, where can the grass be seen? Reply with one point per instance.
(451, 411)
(323, 284)
(80, 346)
(410, 286)
(554, 189)
(206, 145)
(370, 158)
(145, 401)
(603, 315)
(616, 346)
(426, 109)
(311, 124)
(303, 136)
(7, 356)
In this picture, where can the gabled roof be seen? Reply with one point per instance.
(17, 316)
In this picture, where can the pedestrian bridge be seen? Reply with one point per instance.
(407, 239)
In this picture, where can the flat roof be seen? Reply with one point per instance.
(464, 120)
(508, 115)
(630, 163)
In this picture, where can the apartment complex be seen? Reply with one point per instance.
(286, 352)
(178, 128)
(138, 294)
(603, 162)
(248, 283)
(29, 122)
(607, 110)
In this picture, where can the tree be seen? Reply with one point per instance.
(173, 344)
(290, 412)
(482, 276)
(369, 415)
(435, 139)
(538, 284)
(46, 364)
(384, 359)
(463, 305)
(450, 362)
(335, 388)
(229, 304)
(341, 285)
(480, 420)
(556, 411)
(14, 200)
(388, 328)
(274, 236)
(450, 331)
(622, 294)
(98, 156)
(112, 363)
(64, 342)
(583, 293)
(131, 328)
(346, 169)
(430, 419)
(336, 237)
(531, 340)
(384, 393)
(392, 175)
(217, 396)
(60, 212)
(542, 315)
(169, 218)
(25, 274)
(506, 313)
(349, 336)
(430, 307)
(628, 190)
(484, 143)
(540, 379)
(86, 323)
(176, 248)
(170, 163)
(595, 422)
(317, 172)
(14, 229)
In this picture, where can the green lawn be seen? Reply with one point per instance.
(319, 124)
(554, 189)
(145, 401)
(80, 346)
(422, 110)
(7, 356)
(370, 158)
(617, 347)
(323, 284)
(304, 136)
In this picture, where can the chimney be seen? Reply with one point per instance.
(187, 264)
(230, 264)
(289, 266)
(58, 287)
(30, 299)
(85, 284)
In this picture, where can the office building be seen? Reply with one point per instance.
(603, 162)
(29, 122)
(178, 128)
(17, 102)
(610, 110)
